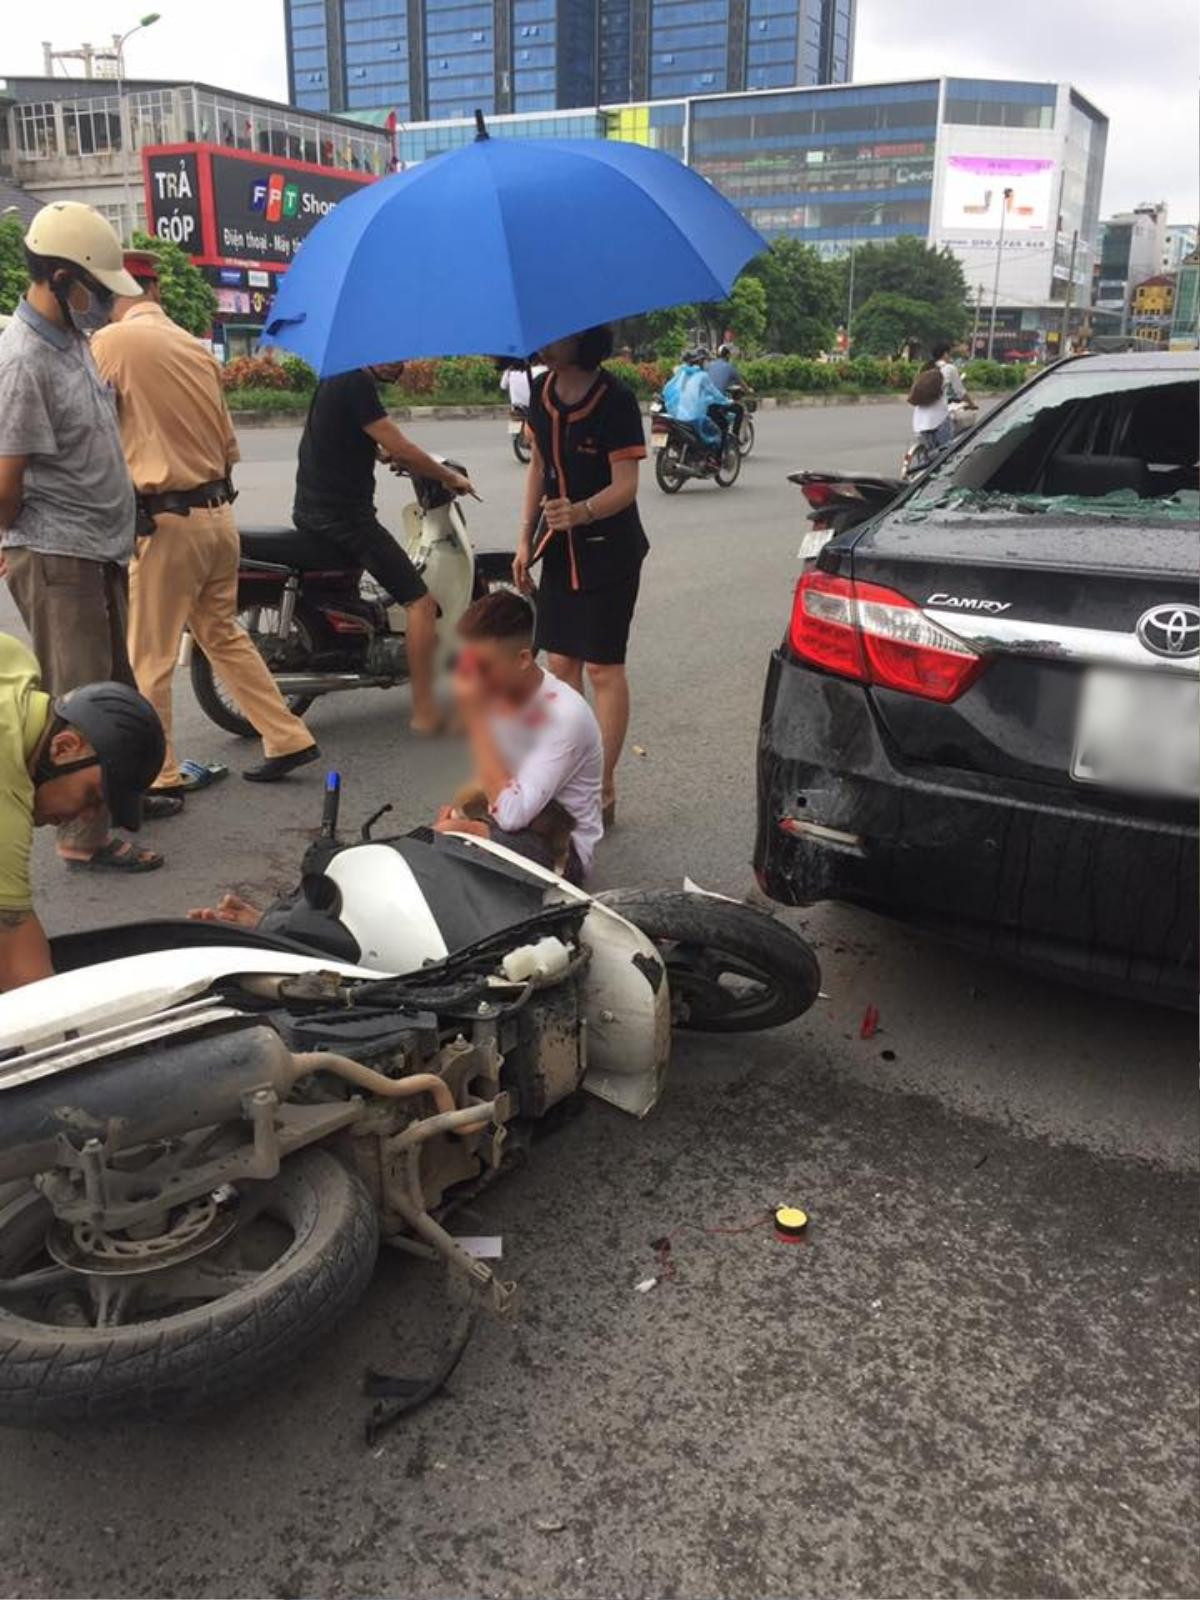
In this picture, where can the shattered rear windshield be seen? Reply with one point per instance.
(1079, 443)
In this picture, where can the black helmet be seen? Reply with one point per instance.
(124, 731)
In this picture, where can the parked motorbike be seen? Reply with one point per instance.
(207, 1130)
(681, 453)
(840, 500)
(518, 432)
(748, 401)
(323, 626)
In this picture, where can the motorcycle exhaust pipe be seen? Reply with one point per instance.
(128, 1101)
(327, 682)
(195, 1083)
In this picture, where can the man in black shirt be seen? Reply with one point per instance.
(346, 432)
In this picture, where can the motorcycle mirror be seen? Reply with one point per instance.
(365, 833)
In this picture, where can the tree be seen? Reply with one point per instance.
(745, 312)
(13, 277)
(905, 266)
(671, 332)
(887, 324)
(187, 296)
(801, 294)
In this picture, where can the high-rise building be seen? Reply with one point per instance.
(428, 59)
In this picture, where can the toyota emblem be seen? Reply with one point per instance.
(1172, 630)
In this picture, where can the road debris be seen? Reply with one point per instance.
(645, 1286)
(870, 1023)
(549, 1525)
(481, 1246)
(791, 1224)
(638, 749)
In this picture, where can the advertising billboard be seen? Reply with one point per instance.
(237, 208)
(978, 190)
(263, 208)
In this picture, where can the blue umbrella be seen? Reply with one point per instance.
(500, 247)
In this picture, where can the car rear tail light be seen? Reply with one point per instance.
(875, 635)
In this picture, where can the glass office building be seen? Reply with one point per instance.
(837, 167)
(428, 59)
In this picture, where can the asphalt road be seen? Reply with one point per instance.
(977, 1376)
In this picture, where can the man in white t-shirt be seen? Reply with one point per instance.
(933, 421)
(536, 746)
(515, 381)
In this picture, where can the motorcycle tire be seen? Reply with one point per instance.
(745, 437)
(223, 712)
(172, 1365)
(668, 480)
(771, 974)
(731, 465)
(522, 449)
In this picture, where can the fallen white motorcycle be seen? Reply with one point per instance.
(206, 1130)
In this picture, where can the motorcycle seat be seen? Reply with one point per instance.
(286, 546)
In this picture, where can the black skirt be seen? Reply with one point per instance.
(585, 624)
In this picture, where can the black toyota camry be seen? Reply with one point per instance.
(982, 718)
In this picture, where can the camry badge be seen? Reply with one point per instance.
(1171, 630)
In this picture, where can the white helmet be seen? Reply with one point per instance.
(67, 230)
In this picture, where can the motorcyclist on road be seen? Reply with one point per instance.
(690, 396)
(931, 420)
(61, 760)
(723, 372)
(346, 431)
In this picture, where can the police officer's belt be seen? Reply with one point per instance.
(220, 492)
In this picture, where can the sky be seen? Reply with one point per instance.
(1137, 63)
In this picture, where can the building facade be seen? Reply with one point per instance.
(1131, 248)
(431, 59)
(72, 139)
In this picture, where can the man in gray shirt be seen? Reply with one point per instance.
(66, 503)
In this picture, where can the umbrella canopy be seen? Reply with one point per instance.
(500, 247)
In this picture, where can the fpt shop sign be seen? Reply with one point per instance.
(173, 192)
(263, 209)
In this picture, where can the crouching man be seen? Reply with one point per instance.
(535, 745)
(61, 760)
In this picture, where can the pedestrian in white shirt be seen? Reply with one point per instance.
(515, 382)
(931, 400)
(535, 744)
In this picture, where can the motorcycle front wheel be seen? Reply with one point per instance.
(163, 1343)
(730, 968)
(745, 436)
(666, 471)
(217, 704)
(521, 448)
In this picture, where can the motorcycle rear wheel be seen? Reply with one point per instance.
(731, 969)
(215, 1345)
(219, 706)
(522, 449)
(731, 465)
(668, 478)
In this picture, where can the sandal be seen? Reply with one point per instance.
(156, 805)
(118, 855)
(193, 775)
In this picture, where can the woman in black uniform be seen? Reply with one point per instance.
(580, 519)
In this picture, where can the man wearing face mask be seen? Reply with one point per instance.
(66, 502)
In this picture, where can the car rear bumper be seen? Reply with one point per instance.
(1106, 897)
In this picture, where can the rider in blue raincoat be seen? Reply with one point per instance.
(687, 396)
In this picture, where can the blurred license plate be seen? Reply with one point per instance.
(515, 427)
(1137, 731)
(657, 441)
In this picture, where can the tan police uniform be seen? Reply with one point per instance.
(178, 436)
(24, 717)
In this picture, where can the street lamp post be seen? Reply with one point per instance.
(996, 280)
(126, 121)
